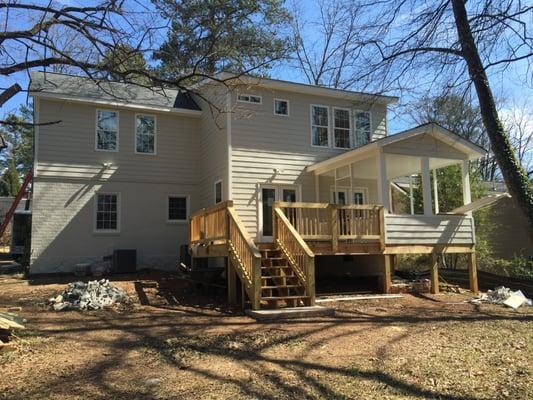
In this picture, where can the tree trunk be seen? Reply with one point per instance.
(513, 173)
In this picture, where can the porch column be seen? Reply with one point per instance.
(426, 186)
(411, 197)
(317, 187)
(465, 172)
(382, 181)
(435, 191)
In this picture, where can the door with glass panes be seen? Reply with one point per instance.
(268, 194)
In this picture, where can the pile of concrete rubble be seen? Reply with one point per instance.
(504, 296)
(92, 295)
(9, 323)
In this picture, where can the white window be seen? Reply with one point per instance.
(281, 107)
(359, 195)
(249, 98)
(106, 130)
(178, 208)
(145, 131)
(218, 192)
(362, 128)
(107, 212)
(341, 128)
(319, 126)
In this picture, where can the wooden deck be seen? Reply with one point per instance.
(303, 230)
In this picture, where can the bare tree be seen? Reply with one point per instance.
(89, 41)
(451, 44)
(329, 59)
(518, 121)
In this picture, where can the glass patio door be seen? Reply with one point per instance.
(268, 195)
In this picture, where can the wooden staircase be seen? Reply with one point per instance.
(280, 285)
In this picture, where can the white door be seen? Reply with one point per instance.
(268, 194)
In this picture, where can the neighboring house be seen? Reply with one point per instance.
(126, 167)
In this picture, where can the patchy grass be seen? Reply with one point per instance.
(410, 348)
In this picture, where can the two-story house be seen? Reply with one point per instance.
(259, 161)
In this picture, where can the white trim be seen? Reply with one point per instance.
(36, 118)
(355, 111)
(112, 103)
(187, 205)
(350, 142)
(95, 212)
(288, 107)
(96, 130)
(321, 126)
(346, 190)
(248, 101)
(229, 147)
(135, 133)
(221, 191)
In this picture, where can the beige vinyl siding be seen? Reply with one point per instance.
(437, 229)
(424, 145)
(263, 142)
(67, 149)
(63, 224)
(213, 161)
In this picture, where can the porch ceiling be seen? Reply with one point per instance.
(402, 153)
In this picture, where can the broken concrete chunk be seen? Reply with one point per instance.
(504, 296)
(92, 295)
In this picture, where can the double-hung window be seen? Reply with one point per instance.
(145, 131)
(281, 107)
(107, 212)
(341, 128)
(218, 192)
(178, 208)
(362, 128)
(107, 130)
(320, 126)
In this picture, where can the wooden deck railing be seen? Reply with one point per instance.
(335, 222)
(221, 224)
(297, 252)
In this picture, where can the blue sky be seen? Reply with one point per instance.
(509, 86)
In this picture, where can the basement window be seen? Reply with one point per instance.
(107, 212)
(178, 208)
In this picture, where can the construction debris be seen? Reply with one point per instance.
(92, 295)
(504, 296)
(8, 323)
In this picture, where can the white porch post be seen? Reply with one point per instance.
(411, 198)
(465, 172)
(335, 198)
(435, 191)
(426, 186)
(317, 187)
(383, 182)
(350, 196)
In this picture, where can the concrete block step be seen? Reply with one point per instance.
(293, 297)
(292, 312)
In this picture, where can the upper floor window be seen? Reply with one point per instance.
(218, 192)
(362, 128)
(281, 107)
(145, 134)
(107, 212)
(178, 208)
(341, 128)
(106, 130)
(320, 126)
(249, 98)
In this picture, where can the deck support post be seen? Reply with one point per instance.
(386, 281)
(472, 271)
(434, 269)
(232, 283)
(393, 263)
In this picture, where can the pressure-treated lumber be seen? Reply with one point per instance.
(434, 276)
(472, 272)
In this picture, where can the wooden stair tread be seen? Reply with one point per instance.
(277, 267)
(294, 297)
(277, 276)
(281, 287)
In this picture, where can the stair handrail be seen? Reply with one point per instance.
(246, 257)
(300, 256)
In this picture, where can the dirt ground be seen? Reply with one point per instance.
(177, 343)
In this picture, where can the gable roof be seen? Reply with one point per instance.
(46, 84)
(471, 150)
(296, 87)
